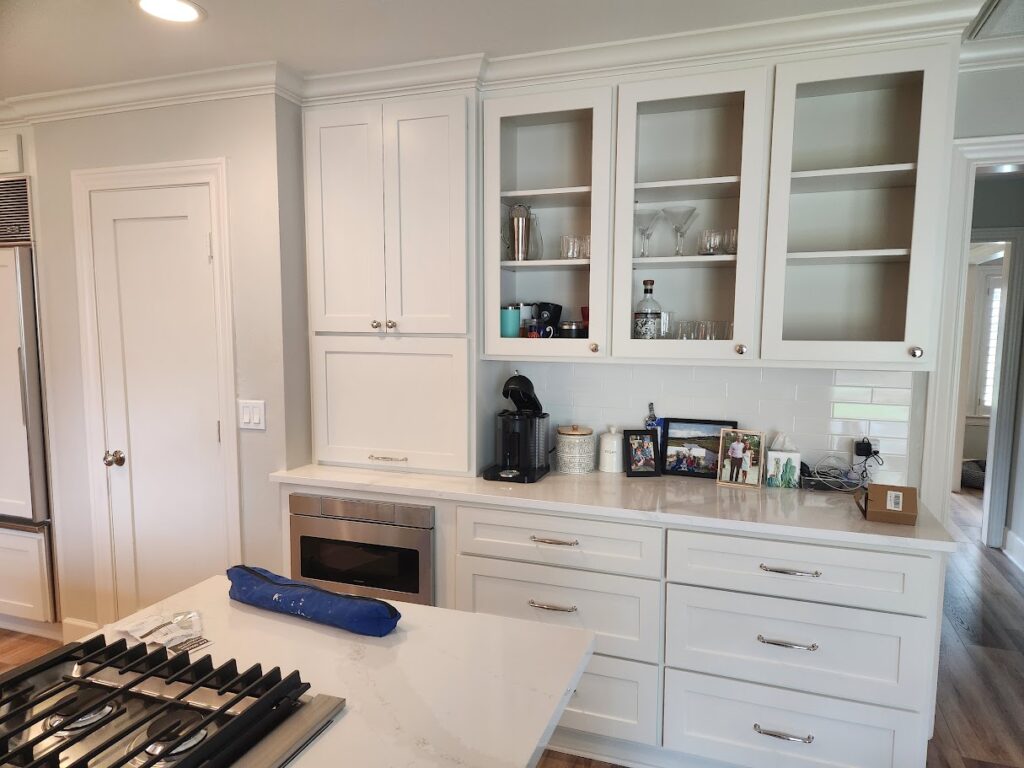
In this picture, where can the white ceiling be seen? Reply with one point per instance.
(48, 45)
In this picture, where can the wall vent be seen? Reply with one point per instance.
(15, 225)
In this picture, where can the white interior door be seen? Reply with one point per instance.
(157, 336)
(15, 483)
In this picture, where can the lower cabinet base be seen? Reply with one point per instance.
(625, 753)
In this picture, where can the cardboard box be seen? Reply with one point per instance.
(889, 504)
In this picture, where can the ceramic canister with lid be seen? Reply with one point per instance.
(574, 450)
(610, 451)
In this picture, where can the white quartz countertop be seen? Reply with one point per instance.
(446, 688)
(830, 517)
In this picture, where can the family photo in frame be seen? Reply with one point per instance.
(691, 447)
(742, 457)
(641, 452)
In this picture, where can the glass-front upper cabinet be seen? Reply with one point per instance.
(859, 174)
(547, 198)
(690, 195)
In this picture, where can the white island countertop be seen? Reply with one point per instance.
(829, 517)
(446, 688)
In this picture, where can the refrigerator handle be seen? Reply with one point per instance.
(22, 375)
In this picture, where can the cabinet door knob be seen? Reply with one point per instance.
(113, 459)
(741, 349)
(594, 348)
(916, 352)
(391, 324)
(375, 324)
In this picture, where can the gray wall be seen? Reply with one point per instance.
(252, 133)
(990, 103)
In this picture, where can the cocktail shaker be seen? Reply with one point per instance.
(519, 221)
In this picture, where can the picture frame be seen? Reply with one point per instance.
(782, 469)
(742, 453)
(640, 453)
(690, 447)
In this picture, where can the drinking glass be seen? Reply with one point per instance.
(710, 242)
(645, 221)
(730, 240)
(681, 217)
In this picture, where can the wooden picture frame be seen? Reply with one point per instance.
(686, 453)
(646, 463)
(742, 452)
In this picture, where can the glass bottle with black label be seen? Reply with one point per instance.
(647, 317)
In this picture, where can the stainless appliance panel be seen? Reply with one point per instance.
(392, 546)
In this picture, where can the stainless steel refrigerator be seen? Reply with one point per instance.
(24, 487)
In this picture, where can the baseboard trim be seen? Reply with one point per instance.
(1014, 549)
(73, 629)
(48, 629)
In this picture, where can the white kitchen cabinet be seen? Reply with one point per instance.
(552, 152)
(692, 145)
(386, 216)
(391, 401)
(25, 575)
(616, 698)
(859, 177)
(15, 462)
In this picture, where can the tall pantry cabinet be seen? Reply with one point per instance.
(386, 248)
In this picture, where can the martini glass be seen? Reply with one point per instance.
(681, 217)
(645, 221)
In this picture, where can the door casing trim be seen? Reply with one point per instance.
(213, 173)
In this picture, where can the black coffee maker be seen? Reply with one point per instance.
(522, 436)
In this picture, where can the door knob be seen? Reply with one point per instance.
(113, 459)
(375, 324)
(916, 352)
(391, 324)
(594, 348)
(741, 349)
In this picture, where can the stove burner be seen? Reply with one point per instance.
(64, 717)
(180, 721)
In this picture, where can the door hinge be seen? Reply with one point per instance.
(209, 245)
(218, 431)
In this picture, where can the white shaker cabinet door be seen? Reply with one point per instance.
(345, 217)
(15, 480)
(25, 576)
(391, 401)
(425, 215)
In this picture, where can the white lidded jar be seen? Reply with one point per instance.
(574, 450)
(610, 451)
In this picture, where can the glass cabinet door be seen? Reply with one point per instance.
(547, 197)
(859, 170)
(689, 216)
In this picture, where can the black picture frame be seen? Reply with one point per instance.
(677, 465)
(651, 467)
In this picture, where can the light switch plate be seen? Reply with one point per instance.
(252, 414)
(10, 153)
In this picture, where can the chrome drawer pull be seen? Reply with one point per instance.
(788, 572)
(556, 542)
(559, 608)
(784, 644)
(387, 458)
(784, 736)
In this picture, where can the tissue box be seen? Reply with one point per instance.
(889, 504)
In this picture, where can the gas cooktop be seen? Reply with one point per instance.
(99, 705)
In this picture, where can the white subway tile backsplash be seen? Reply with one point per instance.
(874, 378)
(822, 411)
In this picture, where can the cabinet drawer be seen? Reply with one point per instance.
(847, 652)
(24, 576)
(718, 719)
(616, 698)
(595, 545)
(881, 581)
(623, 612)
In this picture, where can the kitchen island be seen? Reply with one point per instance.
(445, 688)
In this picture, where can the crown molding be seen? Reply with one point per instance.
(901, 22)
(435, 75)
(997, 53)
(206, 85)
(868, 24)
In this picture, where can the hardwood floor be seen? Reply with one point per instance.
(980, 721)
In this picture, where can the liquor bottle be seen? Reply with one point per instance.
(647, 317)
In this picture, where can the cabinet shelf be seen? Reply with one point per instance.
(545, 264)
(551, 197)
(687, 189)
(878, 256)
(863, 177)
(672, 262)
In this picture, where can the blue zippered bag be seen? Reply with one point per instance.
(264, 589)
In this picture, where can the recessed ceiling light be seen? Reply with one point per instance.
(181, 11)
